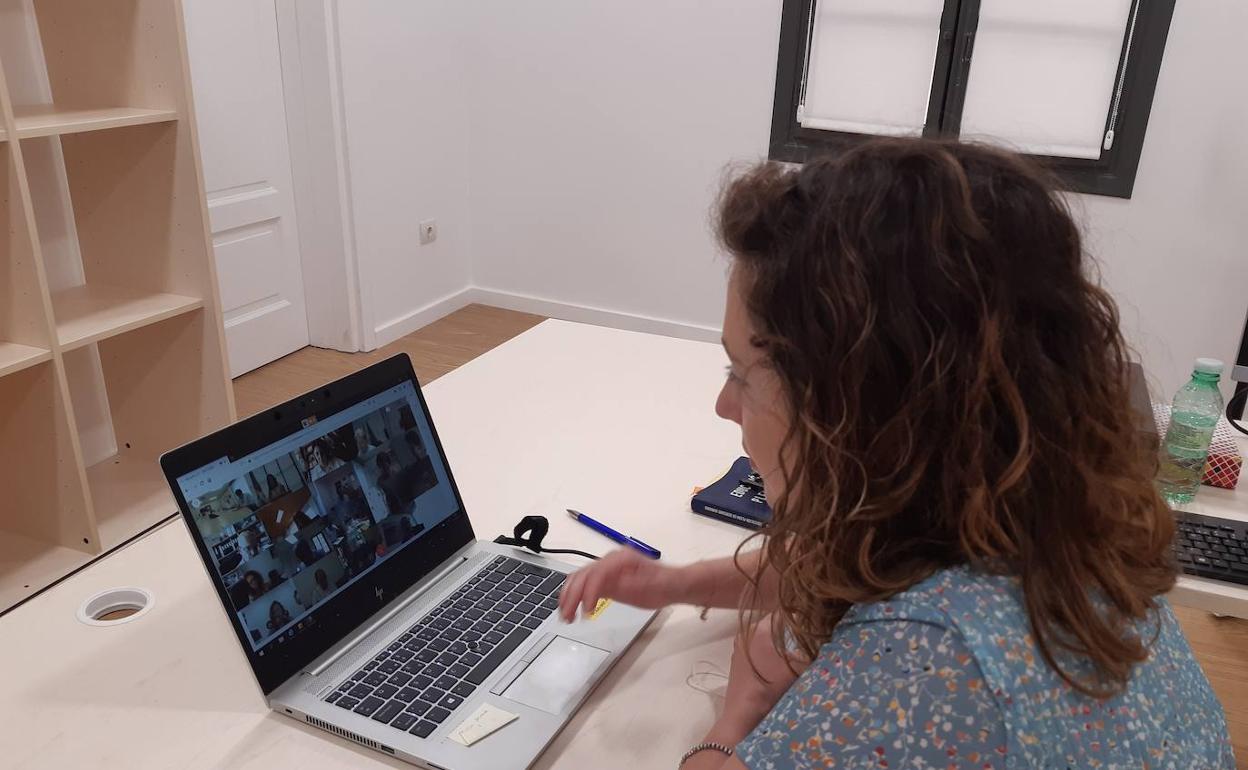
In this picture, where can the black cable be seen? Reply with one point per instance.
(572, 551)
(529, 534)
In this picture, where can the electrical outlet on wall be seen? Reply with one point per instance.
(428, 231)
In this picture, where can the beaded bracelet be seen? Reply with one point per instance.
(721, 748)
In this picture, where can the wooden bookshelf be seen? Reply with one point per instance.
(111, 339)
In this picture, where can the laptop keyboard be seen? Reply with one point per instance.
(418, 681)
(1212, 547)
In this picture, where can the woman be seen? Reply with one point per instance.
(321, 460)
(279, 616)
(255, 584)
(967, 558)
(276, 488)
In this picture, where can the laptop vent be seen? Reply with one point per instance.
(360, 739)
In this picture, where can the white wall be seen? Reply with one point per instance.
(1175, 255)
(405, 111)
(600, 131)
(581, 145)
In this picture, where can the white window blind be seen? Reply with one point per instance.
(870, 65)
(1043, 74)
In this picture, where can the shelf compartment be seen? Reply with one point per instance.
(105, 55)
(24, 336)
(46, 528)
(130, 495)
(15, 357)
(54, 120)
(161, 383)
(94, 312)
(27, 566)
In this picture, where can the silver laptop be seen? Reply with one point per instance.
(339, 546)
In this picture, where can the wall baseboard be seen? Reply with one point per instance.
(406, 324)
(591, 315)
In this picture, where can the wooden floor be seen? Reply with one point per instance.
(1221, 644)
(435, 350)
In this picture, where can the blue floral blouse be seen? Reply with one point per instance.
(946, 675)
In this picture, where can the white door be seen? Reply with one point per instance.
(237, 78)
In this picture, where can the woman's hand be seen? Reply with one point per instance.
(624, 576)
(632, 579)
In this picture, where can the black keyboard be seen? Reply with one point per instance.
(416, 682)
(1211, 547)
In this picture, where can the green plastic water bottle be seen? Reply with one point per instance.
(1193, 415)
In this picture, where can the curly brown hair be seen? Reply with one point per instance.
(959, 394)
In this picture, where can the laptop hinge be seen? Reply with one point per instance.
(350, 642)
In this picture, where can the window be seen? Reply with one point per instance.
(1068, 81)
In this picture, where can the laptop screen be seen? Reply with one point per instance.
(294, 523)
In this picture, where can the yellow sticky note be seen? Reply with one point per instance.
(480, 723)
(599, 608)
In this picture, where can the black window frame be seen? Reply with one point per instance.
(1113, 174)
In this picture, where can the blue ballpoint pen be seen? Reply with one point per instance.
(601, 528)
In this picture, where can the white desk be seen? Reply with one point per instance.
(616, 423)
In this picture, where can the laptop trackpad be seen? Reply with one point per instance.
(558, 676)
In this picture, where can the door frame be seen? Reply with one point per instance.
(335, 299)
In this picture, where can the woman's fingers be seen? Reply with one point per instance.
(570, 596)
(585, 586)
(602, 578)
(592, 590)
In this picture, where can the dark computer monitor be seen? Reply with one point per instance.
(1239, 375)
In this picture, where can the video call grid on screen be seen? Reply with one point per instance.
(290, 525)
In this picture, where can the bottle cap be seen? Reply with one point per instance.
(1209, 366)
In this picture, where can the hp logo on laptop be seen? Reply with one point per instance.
(379, 592)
